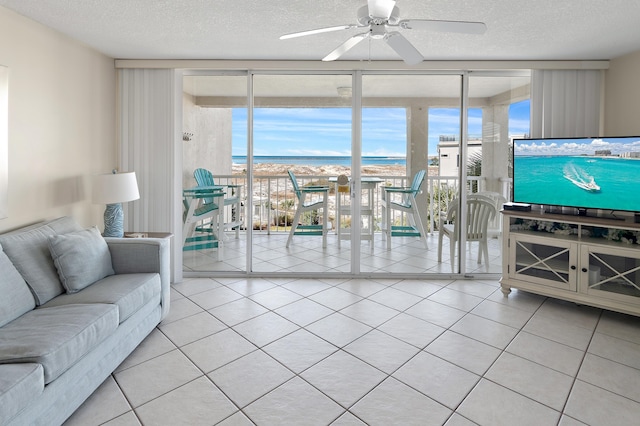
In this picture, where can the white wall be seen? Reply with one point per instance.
(622, 96)
(210, 146)
(448, 157)
(61, 122)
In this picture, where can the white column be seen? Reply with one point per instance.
(495, 146)
(418, 154)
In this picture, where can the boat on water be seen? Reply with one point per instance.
(590, 186)
(580, 178)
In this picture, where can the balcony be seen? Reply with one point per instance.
(273, 207)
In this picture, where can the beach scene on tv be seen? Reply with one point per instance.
(595, 173)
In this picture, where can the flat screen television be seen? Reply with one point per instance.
(584, 173)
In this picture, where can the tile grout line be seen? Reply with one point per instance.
(342, 348)
(584, 355)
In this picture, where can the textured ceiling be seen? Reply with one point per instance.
(249, 29)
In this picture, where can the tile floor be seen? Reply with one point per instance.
(354, 352)
(305, 254)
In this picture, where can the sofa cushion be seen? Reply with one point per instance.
(56, 337)
(15, 296)
(20, 384)
(81, 258)
(28, 250)
(129, 292)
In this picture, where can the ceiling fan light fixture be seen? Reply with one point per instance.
(378, 32)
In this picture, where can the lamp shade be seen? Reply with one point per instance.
(111, 188)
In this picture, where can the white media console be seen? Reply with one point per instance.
(587, 260)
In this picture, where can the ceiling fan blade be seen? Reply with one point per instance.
(464, 27)
(345, 47)
(381, 8)
(404, 48)
(318, 31)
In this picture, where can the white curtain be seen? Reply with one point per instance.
(150, 105)
(565, 103)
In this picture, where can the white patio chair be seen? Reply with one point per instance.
(494, 229)
(480, 210)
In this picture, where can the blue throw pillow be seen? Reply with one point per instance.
(16, 298)
(81, 258)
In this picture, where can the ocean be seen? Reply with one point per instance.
(321, 161)
(541, 180)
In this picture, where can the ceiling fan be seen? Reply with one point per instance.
(379, 17)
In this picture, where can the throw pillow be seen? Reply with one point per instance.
(29, 252)
(16, 297)
(81, 258)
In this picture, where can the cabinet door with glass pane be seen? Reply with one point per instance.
(611, 272)
(541, 260)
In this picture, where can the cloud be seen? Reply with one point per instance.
(327, 131)
(585, 146)
(283, 131)
(519, 125)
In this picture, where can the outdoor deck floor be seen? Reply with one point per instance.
(305, 254)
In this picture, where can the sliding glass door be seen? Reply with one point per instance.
(214, 117)
(301, 143)
(498, 112)
(399, 125)
(355, 173)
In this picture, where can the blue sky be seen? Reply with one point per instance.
(582, 146)
(327, 131)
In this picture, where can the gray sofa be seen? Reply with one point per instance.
(73, 306)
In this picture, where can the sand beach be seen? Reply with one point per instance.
(280, 188)
(275, 169)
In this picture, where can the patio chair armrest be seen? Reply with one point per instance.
(199, 189)
(399, 189)
(442, 219)
(204, 192)
(197, 195)
(234, 191)
(314, 189)
(450, 214)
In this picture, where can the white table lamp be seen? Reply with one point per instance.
(113, 189)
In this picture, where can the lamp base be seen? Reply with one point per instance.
(114, 221)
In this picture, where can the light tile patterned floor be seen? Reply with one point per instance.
(377, 352)
(305, 254)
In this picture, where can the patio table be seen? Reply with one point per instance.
(367, 207)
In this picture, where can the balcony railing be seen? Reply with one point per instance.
(273, 198)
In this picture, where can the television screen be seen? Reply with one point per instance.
(591, 173)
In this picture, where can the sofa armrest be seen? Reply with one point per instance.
(143, 255)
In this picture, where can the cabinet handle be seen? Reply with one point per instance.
(573, 267)
(584, 269)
